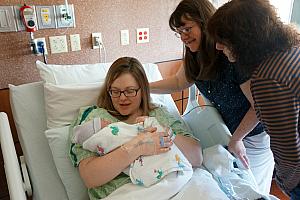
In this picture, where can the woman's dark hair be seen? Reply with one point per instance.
(252, 30)
(121, 66)
(200, 64)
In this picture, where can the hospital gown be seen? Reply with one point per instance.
(77, 153)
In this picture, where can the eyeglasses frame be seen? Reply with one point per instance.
(123, 92)
(185, 31)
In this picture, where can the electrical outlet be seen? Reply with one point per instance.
(142, 35)
(75, 42)
(58, 44)
(124, 37)
(39, 42)
(97, 40)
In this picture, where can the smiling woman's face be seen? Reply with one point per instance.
(190, 34)
(127, 105)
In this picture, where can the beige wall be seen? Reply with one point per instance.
(17, 64)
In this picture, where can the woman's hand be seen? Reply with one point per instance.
(238, 149)
(149, 142)
(152, 142)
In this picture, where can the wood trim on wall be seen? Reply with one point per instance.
(5, 107)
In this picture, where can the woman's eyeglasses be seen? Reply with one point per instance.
(185, 31)
(127, 93)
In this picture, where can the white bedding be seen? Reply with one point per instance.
(29, 114)
(238, 183)
(147, 170)
(202, 185)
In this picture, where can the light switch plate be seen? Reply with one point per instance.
(75, 42)
(7, 21)
(124, 37)
(58, 44)
(45, 17)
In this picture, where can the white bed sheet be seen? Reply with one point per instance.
(201, 186)
(28, 110)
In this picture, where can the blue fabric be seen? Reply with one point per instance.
(295, 193)
(226, 95)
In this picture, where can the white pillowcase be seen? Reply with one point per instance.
(62, 102)
(61, 98)
(66, 89)
(58, 142)
(72, 74)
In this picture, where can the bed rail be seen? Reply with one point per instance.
(17, 188)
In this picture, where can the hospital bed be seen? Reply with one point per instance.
(36, 174)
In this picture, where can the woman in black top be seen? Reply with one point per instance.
(218, 81)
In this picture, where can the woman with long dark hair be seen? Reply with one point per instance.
(218, 80)
(267, 51)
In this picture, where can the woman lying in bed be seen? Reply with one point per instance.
(124, 98)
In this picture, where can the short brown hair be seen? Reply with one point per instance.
(120, 66)
(252, 30)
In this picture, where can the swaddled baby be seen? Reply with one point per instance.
(102, 137)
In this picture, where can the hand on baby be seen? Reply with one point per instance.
(168, 130)
(166, 133)
(152, 142)
(149, 142)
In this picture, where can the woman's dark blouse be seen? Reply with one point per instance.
(226, 95)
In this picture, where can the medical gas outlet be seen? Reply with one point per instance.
(65, 16)
(142, 35)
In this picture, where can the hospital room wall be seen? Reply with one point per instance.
(17, 63)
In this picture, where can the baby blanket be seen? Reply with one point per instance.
(146, 170)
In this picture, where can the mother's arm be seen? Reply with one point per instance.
(190, 148)
(188, 145)
(96, 171)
